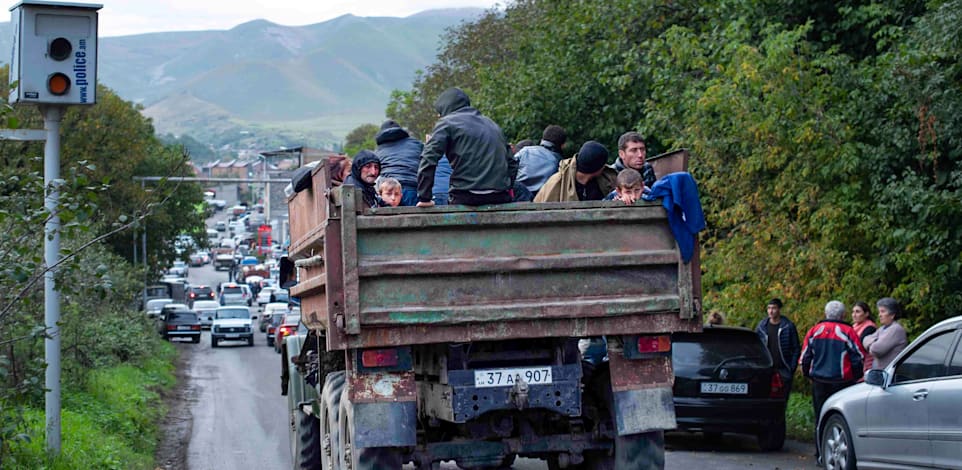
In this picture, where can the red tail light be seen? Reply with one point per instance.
(195, 327)
(654, 344)
(379, 358)
(778, 386)
(171, 327)
(192, 295)
(270, 329)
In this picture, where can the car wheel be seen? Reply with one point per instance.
(305, 438)
(773, 437)
(250, 341)
(270, 342)
(330, 429)
(838, 453)
(369, 458)
(213, 342)
(195, 339)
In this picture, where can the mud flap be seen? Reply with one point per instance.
(385, 424)
(642, 393)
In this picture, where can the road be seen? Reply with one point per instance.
(239, 418)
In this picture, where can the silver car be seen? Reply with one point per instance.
(905, 416)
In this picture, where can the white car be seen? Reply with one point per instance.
(270, 310)
(154, 306)
(264, 296)
(205, 310)
(233, 323)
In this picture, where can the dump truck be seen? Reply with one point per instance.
(458, 333)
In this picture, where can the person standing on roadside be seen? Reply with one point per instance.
(864, 326)
(483, 169)
(780, 336)
(890, 339)
(831, 358)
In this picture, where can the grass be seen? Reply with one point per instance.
(109, 422)
(799, 418)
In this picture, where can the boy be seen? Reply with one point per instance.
(630, 187)
(390, 191)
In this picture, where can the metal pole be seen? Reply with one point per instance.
(143, 240)
(267, 195)
(51, 255)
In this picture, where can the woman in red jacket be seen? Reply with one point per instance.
(864, 325)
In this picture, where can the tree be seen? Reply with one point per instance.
(361, 138)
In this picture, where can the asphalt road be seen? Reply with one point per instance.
(239, 418)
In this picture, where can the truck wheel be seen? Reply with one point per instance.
(773, 437)
(371, 458)
(305, 436)
(330, 428)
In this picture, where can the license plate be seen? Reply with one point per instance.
(726, 388)
(183, 327)
(235, 336)
(509, 377)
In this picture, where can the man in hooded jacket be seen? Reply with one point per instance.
(399, 154)
(364, 172)
(483, 169)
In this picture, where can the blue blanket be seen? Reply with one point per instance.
(679, 195)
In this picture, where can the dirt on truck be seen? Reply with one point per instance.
(464, 333)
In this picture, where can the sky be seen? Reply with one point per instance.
(125, 17)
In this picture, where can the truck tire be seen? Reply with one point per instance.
(330, 428)
(371, 458)
(305, 436)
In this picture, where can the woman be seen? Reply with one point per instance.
(890, 339)
(864, 326)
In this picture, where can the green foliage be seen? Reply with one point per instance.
(361, 138)
(110, 422)
(800, 417)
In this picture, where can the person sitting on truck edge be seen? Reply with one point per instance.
(583, 177)
(536, 163)
(389, 190)
(630, 187)
(631, 154)
(482, 167)
(364, 172)
(400, 155)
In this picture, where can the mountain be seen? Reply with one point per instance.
(281, 83)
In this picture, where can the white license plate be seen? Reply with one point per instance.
(234, 336)
(509, 377)
(726, 388)
(183, 327)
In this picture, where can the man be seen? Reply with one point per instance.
(364, 172)
(536, 163)
(779, 334)
(583, 177)
(399, 154)
(482, 167)
(831, 358)
(631, 154)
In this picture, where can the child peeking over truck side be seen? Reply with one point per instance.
(630, 187)
(389, 190)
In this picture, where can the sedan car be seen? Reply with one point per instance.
(154, 306)
(287, 327)
(205, 311)
(724, 382)
(199, 292)
(271, 310)
(905, 416)
(264, 296)
(179, 268)
(179, 323)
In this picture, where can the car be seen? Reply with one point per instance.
(233, 293)
(287, 326)
(199, 258)
(271, 329)
(249, 261)
(724, 382)
(280, 295)
(234, 323)
(178, 268)
(220, 226)
(274, 309)
(199, 292)
(154, 306)
(177, 321)
(264, 296)
(903, 416)
(228, 243)
(205, 311)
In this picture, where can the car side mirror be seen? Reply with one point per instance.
(875, 377)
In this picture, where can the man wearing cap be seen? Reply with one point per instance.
(779, 334)
(583, 177)
(399, 154)
(482, 167)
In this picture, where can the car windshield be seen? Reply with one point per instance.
(292, 319)
(233, 290)
(201, 290)
(182, 316)
(233, 313)
(700, 351)
(179, 264)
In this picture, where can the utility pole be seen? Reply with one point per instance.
(51, 256)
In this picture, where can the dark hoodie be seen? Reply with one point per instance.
(399, 154)
(363, 158)
(479, 154)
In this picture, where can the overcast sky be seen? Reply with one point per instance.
(123, 17)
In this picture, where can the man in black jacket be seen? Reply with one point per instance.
(365, 169)
(399, 154)
(483, 169)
